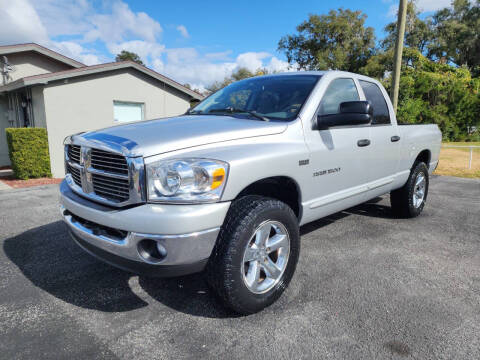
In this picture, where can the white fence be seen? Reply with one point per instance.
(471, 147)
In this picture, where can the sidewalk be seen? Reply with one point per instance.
(4, 186)
(5, 173)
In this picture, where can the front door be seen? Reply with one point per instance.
(337, 156)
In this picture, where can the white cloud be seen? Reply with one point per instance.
(186, 65)
(20, 23)
(40, 20)
(183, 31)
(433, 5)
(122, 23)
(219, 56)
(76, 51)
(392, 11)
(65, 17)
(422, 6)
(277, 65)
(182, 55)
(252, 60)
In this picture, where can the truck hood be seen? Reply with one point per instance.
(158, 136)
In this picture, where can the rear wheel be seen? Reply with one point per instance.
(255, 255)
(409, 200)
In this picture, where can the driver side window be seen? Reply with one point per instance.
(338, 91)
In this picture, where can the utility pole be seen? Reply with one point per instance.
(402, 18)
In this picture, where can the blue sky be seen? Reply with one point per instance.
(190, 41)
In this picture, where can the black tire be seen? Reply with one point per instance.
(402, 199)
(223, 271)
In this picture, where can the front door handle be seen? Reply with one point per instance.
(395, 138)
(363, 142)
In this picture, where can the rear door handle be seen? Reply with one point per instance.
(363, 142)
(395, 138)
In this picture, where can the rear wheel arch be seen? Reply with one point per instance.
(424, 156)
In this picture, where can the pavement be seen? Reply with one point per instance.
(367, 286)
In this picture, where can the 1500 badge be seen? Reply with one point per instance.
(325, 172)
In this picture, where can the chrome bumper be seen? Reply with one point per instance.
(94, 229)
(179, 249)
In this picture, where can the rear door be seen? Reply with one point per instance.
(385, 140)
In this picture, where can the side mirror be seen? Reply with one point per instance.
(350, 113)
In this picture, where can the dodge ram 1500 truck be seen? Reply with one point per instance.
(225, 187)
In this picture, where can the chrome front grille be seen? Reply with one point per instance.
(75, 174)
(74, 153)
(104, 176)
(106, 161)
(111, 188)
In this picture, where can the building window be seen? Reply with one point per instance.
(128, 111)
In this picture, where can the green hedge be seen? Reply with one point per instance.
(28, 151)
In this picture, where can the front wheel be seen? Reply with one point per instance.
(255, 255)
(409, 200)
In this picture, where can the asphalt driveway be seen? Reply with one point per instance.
(367, 286)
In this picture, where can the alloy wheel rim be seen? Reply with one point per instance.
(419, 190)
(265, 257)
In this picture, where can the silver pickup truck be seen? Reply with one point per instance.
(225, 187)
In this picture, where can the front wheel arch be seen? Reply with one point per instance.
(282, 188)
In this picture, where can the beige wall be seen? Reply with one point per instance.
(38, 106)
(4, 158)
(86, 104)
(31, 63)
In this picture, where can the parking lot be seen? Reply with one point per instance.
(367, 286)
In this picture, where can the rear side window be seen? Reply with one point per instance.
(375, 96)
(339, 90)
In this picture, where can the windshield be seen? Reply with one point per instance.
(274, 97)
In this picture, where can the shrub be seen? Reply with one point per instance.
(28, 151)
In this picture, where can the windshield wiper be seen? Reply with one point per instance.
(193, 112)
(235, 110)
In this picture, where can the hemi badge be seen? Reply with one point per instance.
(303, 162)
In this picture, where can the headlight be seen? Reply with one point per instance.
(186, 180)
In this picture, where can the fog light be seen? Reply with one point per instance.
(151, 251)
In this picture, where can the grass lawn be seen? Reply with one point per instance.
(454, 161)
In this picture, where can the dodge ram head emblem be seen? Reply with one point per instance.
(86, 176)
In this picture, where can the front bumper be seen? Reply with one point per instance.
(183, 235)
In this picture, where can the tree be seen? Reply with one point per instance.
(380, 65)
(418, 32)
(338, 40)
(458, 34)
(440, 80)
(451, 36)
(432, 92)
(240, 74)
(199, 91)
(129, 56)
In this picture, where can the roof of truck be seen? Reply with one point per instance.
(315, 72)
